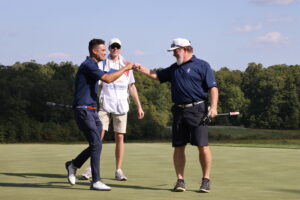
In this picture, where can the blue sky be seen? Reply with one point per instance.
(228, 33)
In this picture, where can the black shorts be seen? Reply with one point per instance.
(187, 126)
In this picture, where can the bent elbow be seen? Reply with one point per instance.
(106, 79)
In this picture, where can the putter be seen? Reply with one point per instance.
(207, 119)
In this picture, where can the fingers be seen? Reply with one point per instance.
(134, 66)
(141, 114)
(212, 113)
(137, 67)
(129, 65)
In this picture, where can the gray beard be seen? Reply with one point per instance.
(180, 60)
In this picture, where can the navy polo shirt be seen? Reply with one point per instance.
(190, 81)
(86, 83)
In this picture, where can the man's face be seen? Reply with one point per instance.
(179, 55)
(115, 49)
(100, 52)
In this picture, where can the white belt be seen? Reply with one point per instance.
(189, 105)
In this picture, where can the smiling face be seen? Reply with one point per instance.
(99, 52)
(115, 50)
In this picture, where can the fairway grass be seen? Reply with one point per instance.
(36, 172)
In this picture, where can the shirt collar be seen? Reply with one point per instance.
(190, 60)
(88, 58)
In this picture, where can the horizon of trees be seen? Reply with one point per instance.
(266, 98)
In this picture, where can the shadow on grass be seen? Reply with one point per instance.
(137, 187)
(32, 175)
(65, 184)
(51, 185)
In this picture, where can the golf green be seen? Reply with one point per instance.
(37, 172)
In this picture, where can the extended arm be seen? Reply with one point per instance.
(148, 72)
(108, 78)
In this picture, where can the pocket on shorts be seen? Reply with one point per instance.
(194, 115)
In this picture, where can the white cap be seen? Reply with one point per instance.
(115, 40)
(179, 42)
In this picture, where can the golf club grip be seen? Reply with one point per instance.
(230, 113)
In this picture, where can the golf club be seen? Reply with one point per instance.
(58, 104)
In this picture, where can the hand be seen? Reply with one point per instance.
(140, 113)
(129, 65)
(137, 67)
(212, 112)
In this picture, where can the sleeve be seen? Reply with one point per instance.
(164, 75)
(93, 71)
(210, 77)
(131, 77)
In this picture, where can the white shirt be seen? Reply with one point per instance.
(114, 96)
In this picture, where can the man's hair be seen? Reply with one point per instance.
(94, 43)
(189, 49)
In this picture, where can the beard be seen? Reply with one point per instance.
(99, 58)
(180, 59)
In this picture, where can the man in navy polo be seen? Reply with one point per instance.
(85, 111)
(191, 81)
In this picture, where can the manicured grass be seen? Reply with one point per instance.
(36, 171)
(254, 137)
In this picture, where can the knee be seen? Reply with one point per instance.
(179, 149)
(96, 145)
(204, 149)
(119, 137)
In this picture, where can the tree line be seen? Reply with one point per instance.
(266, 98)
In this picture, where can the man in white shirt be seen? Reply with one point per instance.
(114, 103)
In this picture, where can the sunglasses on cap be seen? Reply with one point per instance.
(115, 45)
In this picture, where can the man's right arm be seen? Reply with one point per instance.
(108, 78)
(148, 72)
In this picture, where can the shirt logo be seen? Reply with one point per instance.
(188, 70)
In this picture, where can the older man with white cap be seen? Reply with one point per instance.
(114, 103)
(192, 83)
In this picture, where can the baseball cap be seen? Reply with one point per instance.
(179, 42)
(115, 40)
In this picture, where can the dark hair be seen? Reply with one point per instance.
(94, 43)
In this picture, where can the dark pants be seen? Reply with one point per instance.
(89, 123)
(187, 126)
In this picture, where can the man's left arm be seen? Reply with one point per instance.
(134, 94)
(214, 96)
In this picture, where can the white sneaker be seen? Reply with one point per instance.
(71, 172)
(100, 186)
(120, 176)
(87, 174)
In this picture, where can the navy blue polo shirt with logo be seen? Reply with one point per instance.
(190, 81)
(86, 83)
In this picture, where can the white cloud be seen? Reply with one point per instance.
(59, 55)
(273, 38)
(138, 53)
(274, 2)
(248, 28)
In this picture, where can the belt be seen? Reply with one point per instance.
(87, 107)
(189, 104)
